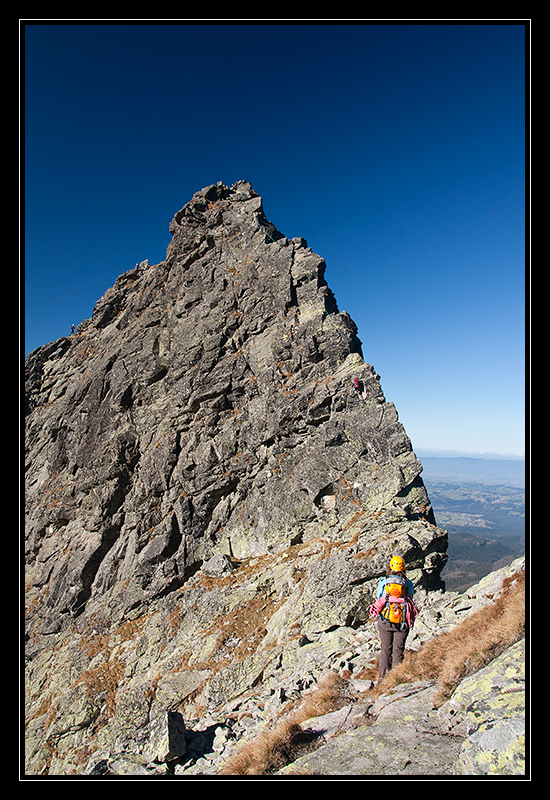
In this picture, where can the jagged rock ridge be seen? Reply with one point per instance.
(197, 465)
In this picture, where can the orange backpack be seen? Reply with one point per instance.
(396, 587)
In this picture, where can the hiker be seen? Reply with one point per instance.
(72, 328)
(395, 612)
(357, 387)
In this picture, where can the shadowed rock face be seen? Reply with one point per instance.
(200, 429)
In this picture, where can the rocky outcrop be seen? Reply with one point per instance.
(480, 731)
(209, 501)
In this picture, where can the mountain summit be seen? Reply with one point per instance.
(213, 476)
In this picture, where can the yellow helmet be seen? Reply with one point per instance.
(397, 564)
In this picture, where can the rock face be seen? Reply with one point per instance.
(206, 493)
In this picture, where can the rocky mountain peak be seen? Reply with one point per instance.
(209, 455)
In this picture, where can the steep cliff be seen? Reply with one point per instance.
(206, 492)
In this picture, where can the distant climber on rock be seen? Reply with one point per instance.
(358, 388)
(395, 612)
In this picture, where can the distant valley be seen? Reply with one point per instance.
(481, 503)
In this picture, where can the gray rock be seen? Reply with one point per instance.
(219, 564)
(167, 737)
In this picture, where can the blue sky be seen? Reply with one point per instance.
(397, 150)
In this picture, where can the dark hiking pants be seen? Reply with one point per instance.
(392, 643)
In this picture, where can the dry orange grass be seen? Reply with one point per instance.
(273, 748)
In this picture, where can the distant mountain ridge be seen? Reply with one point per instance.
(482, 470)
(427, 452)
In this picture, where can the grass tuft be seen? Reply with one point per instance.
(274, 748)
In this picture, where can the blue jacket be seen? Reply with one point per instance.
(382, 586)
